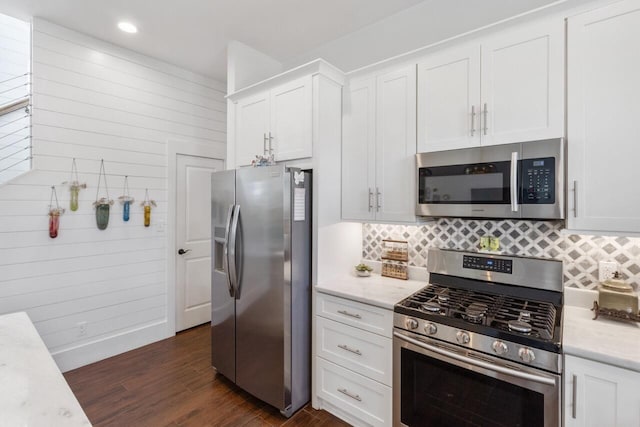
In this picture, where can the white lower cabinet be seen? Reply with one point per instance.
(597, 394)
(354, 366)
(356, 395)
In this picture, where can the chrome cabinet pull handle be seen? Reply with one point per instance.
(346, 313)
(485, 112)
(473, 120)
(270, 139)
(575, 199)
(346, 347)
(378, 204)
(264, 143)
(370, 201)
(353, 396)
(574, 409)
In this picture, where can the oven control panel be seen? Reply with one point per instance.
(538, 181)
(487, 264)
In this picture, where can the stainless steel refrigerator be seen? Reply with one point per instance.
(261, 295)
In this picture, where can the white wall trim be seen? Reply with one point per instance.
(175, 148)
(86, 353)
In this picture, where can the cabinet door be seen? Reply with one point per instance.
(598, 395)
(449, 99)
(291, 118)
(523, 84)
(252, 124)
(396, 145)
(603, 111)
(358, 150)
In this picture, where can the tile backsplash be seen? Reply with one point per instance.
(544, 239)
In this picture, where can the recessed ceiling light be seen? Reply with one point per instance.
(127, 27)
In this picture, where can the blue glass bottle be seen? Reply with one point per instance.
(126, 210)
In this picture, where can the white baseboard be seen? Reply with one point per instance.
(75, 357)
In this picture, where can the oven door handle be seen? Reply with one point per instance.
(478, 363)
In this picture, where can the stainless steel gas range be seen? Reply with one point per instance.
(480, 345)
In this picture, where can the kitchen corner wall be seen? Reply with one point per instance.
(91, 101)
(544, 239)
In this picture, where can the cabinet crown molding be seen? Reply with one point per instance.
(317, 66)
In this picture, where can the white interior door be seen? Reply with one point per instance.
(193, 237)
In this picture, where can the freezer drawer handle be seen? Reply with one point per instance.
(353, 396)
(346, 313)
(347, 348)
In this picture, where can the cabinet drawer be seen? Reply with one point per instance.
(366, 353)
(366, 399)
(363, 316)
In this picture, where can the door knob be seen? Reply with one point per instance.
(182, 251)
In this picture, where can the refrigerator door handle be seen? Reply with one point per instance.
(233, 234)
(225, 250)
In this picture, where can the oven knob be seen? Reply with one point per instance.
(463, 337)
(499, 348)
(411, 323)
(526, 355)
(430, 328)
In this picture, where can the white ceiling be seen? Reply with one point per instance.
(194, 34)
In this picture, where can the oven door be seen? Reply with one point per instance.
(438, 384)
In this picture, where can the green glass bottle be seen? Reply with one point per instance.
(102, 215)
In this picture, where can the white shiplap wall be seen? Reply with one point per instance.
(93, 101)
(15, 52)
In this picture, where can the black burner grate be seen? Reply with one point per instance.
(501, 309)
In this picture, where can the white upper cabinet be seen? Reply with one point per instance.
(598, 395)
(523, 84)
(358, 150)
(276, 121)
(396, 145)
(252, 125)
(505, 88)
(448, 98)
(379, 146)
(603, 111)
(291, 116)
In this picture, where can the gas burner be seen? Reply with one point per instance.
(519, 326)
(431, 306)
(443, 298)
(476, 312)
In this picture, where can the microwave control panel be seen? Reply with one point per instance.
(487, 264)
(538, 181)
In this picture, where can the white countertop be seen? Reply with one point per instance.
(602, 340)
(375, 290)
(33, 392)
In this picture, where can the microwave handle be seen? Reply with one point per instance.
(514, 181)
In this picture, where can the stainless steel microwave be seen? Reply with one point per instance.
(523, 180)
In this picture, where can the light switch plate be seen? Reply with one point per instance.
(606, 270)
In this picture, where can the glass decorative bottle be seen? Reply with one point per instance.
(54, 214)
(126, 201)
(74, 187)
(102, 205)
(146, 204)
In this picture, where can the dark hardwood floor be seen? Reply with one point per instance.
(172, 383)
